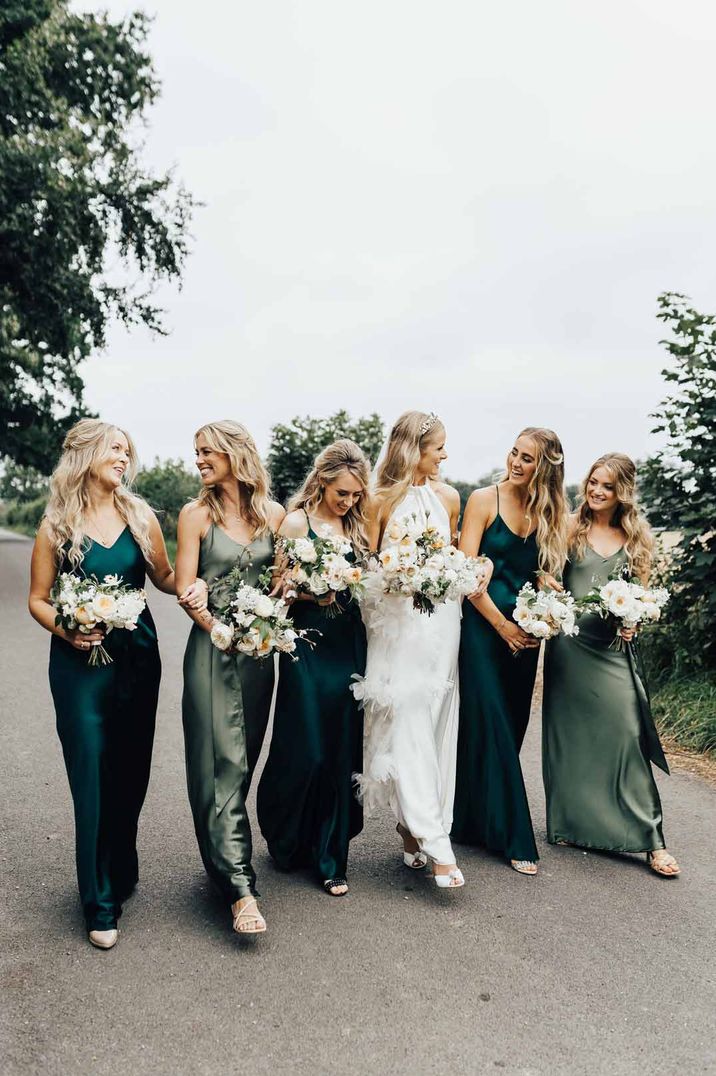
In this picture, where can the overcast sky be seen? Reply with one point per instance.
(465, 207)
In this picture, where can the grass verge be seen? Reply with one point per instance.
(685, 711)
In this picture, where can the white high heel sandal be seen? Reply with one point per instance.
(415, 860)
(453, 880)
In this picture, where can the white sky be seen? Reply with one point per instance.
(458, 206)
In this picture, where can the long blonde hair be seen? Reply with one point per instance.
(639, 545)
(546, 507)
(87, 444)
(406, 441)
(235, 441)
(341, 455)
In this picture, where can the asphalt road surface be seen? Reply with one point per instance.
(595, 966)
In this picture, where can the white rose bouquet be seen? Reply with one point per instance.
(626, 603)
(83, 603)
(248, 620)
(418, 563)
(545, 613)
(319, 566)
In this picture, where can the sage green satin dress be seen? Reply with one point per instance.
(105, 722)
(491, 808)
(599, 738)
(306, 806)
(225, 711)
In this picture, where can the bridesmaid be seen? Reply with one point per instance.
(94, 525)
(520, 525)
(227, 696)
(306, 807)
(599, 738)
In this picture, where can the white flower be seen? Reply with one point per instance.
(112, 580)
(249, 642)
(264, 606)
(221, 635)
(389, 559)
(318, 584)
(539, 629)
(305, 550)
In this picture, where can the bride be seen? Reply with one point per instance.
(410, 689)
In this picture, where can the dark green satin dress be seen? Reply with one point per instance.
(491, 808)
(225, 711)
(598, 736)
(105, 721)
(306, 807)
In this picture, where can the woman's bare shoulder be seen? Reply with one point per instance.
(294, 525)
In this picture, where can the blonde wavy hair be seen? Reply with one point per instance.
(341, 455)
(639, 545)
(546, 509)
(396, 469)
(235, 441)
(87, 445)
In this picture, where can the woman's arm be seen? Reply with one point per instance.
(376, 525)
(193, 519)
(43, 573)
(161, 572)
(474, 524)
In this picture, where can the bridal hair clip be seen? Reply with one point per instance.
(429, 423)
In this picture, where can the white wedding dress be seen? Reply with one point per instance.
(410, 699)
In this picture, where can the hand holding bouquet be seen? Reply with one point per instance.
(248, 620)
(84, 603)
(418, 563)
(626, 603)
(545, 613)
(319, 566)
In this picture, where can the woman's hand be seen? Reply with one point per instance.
(627, 634)
(327, 599)
(195, 596)
(546, 581)
(515, 637)
(84, 640)
(484, 582)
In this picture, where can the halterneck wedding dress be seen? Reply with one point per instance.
(411, 701)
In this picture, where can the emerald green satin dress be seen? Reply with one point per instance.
(598, 735)
(491, 808)
(225, 711)
(105, 721)
(306, 807)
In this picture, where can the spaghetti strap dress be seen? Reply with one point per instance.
(491, 808)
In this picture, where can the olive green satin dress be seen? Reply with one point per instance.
(105, 721)
(225, 710)
(307, 810)
(491, 808)
(598, 735)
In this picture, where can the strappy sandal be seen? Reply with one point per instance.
(415, 860)
(332, 883)
(661, 858)
(524, 866)
(246, 914)
(454, 879)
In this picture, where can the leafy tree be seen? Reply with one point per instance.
(678, 484)
(167, 486)
(294, 446)
(21, 484)
(86, 232)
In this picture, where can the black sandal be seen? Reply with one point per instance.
(331, 883)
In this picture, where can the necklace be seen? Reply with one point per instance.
(102, 536)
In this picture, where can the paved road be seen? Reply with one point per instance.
(596, 966)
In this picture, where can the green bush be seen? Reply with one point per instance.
(685, 709)
(167, 486)
(24, 517)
